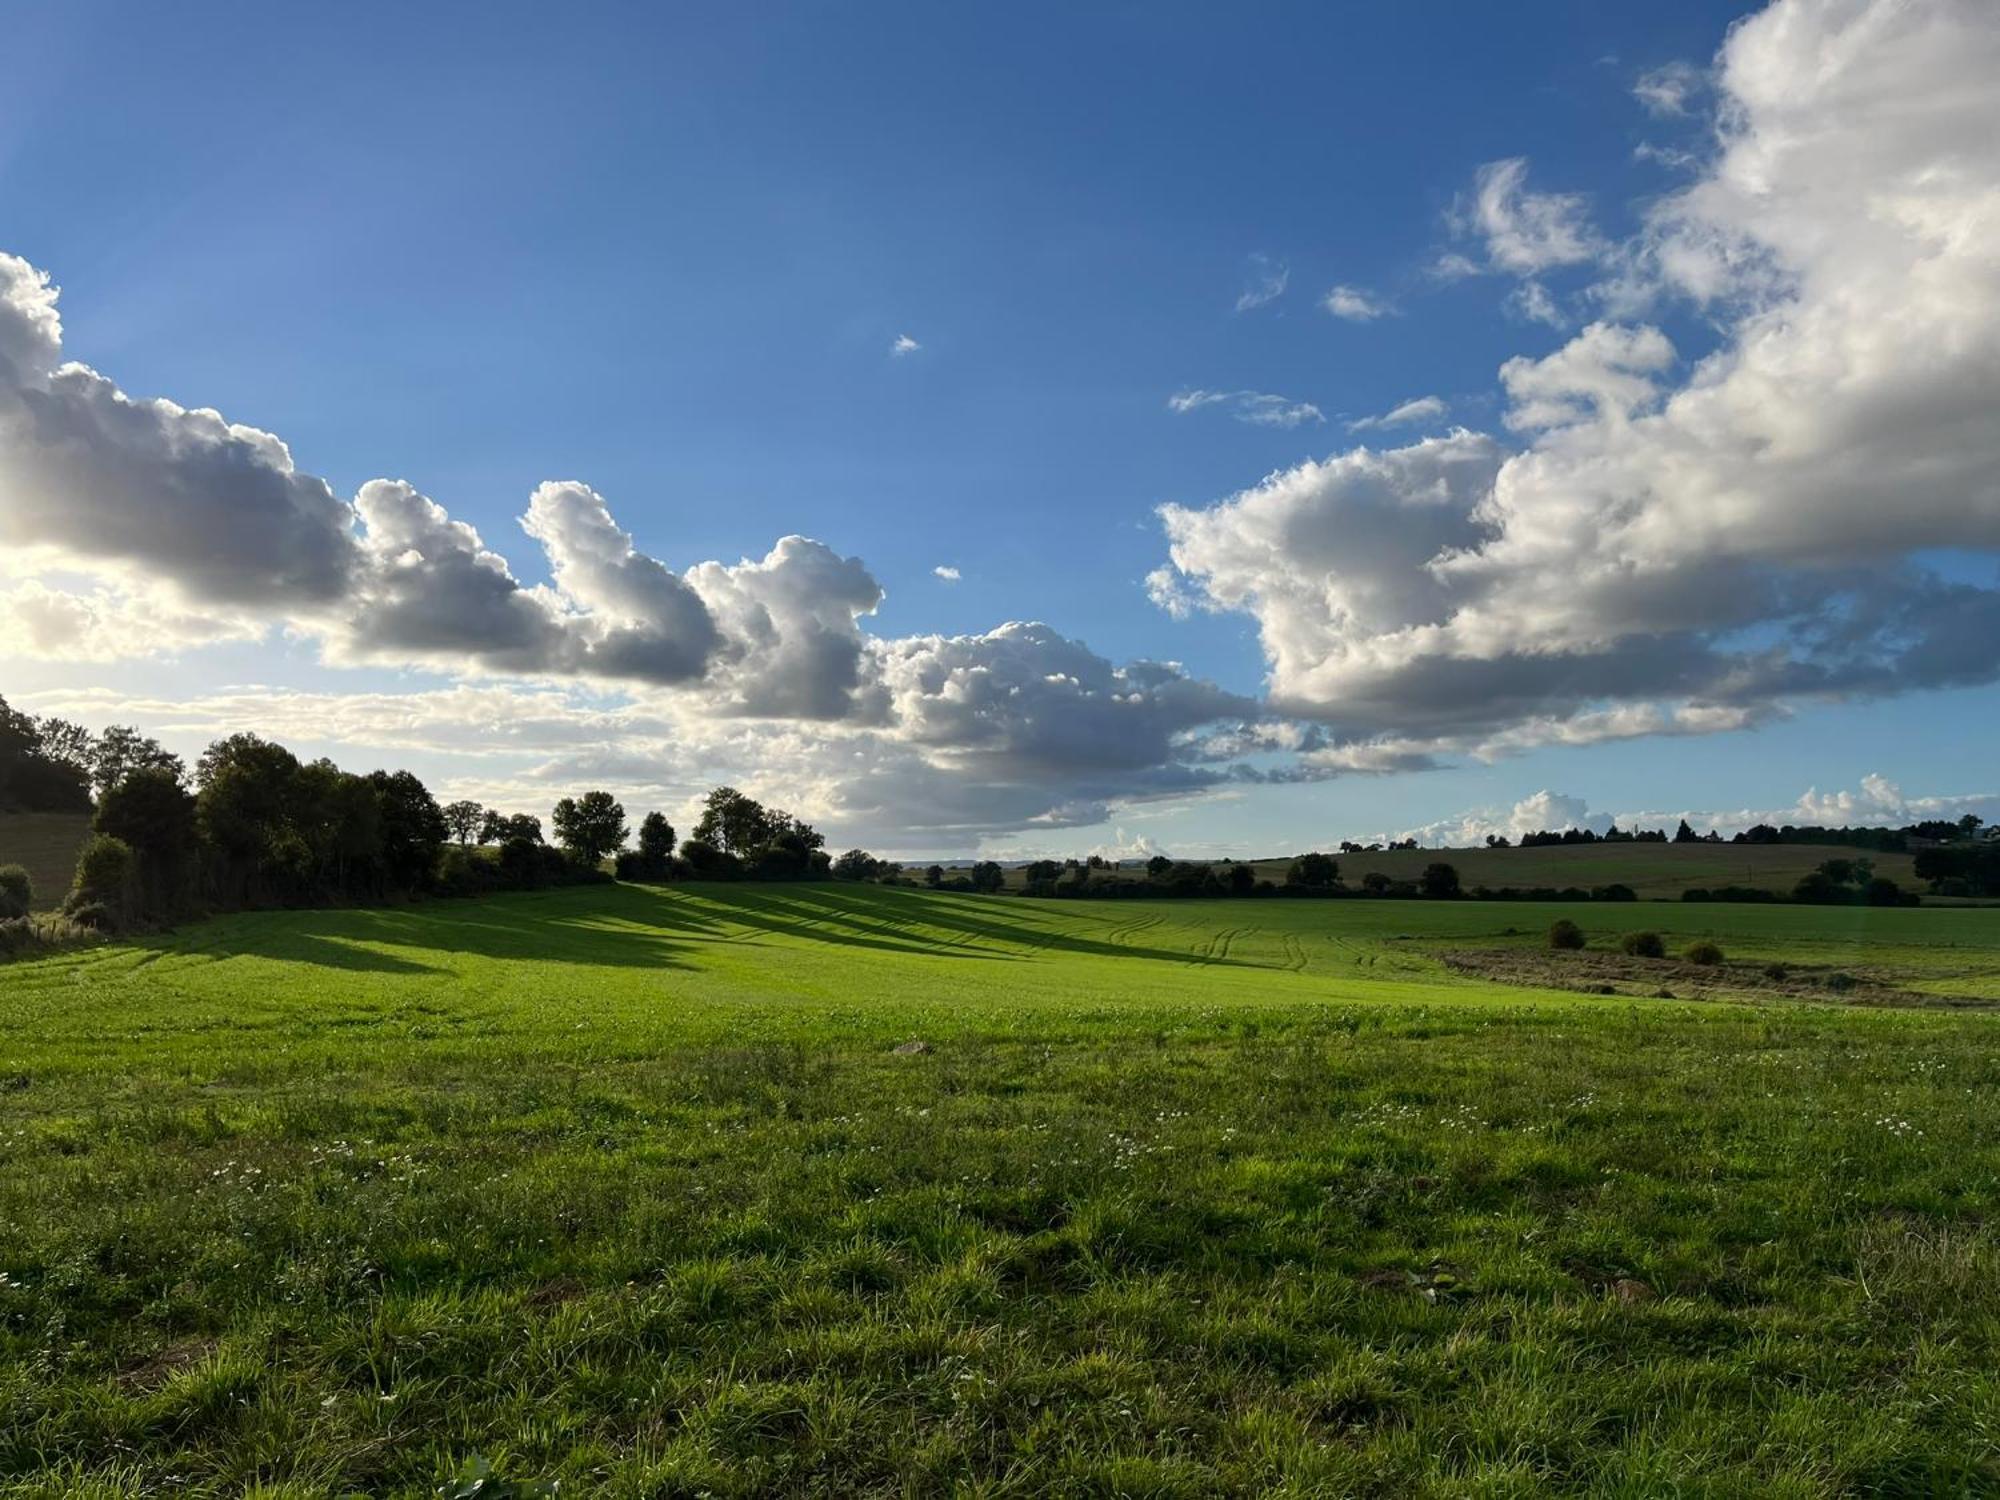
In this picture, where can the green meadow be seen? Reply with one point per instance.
(831, 1190)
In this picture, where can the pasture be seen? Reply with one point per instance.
(815, 1190)
(46, 845)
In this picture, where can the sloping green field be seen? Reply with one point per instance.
(630, 1188)
(46, 845)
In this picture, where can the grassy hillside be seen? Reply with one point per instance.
(46, 843)
(1655, 871)
(632, 1188)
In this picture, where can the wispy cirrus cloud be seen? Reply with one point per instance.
(1258, 408)
(1668, 89)
(1267, 281)
(1417, 409)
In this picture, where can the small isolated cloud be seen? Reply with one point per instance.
(1667, 90)
(1451, 266)
(1267, 282)
(945, 571)
(1356, 304)
(1526, 232)
(1418, 409)
(904, 345)
(1258, 408)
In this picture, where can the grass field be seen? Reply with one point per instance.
(631, 1188)
(46, 844)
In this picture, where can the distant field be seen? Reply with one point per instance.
(46, 843)
(630, 1188)
(1660, 871)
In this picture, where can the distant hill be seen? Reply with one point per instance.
(46, 843)
(1653, 870)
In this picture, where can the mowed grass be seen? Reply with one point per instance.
(46, 845)
(628, 1187)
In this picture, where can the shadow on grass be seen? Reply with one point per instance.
(944, 926)
(603, 926)
(648, 927)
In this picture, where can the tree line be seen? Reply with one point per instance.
(252, 825)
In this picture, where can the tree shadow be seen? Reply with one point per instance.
(649, 927)
(806, 913)
(596, 926)
(879, 916)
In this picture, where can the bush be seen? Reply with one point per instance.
(1644, 945)
(94, 915)
(1703, 952)
(104, 871)
(1565, 934)
(707, 862)
(17, 892)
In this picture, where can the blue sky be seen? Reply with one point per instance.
(667, 251)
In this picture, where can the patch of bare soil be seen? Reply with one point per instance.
(1591, 973)
(156, 1370)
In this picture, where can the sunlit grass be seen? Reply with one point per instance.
(629, 1188)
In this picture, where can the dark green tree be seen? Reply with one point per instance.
(1439, 880)
(464, 820)
(1315, 871)
(154, 814)
(121, 750)
(656, 838)
(589, 827)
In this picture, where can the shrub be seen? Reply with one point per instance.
(94, 915)
(1703, 952)
(103, 876)
(708, 862)
(1644, 945)
(17, 892)
(1565, 934)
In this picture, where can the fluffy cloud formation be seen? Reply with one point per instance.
(1686, 545)
(134, 527)
(89, 472)
(1876, 803)
(1016, 729)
